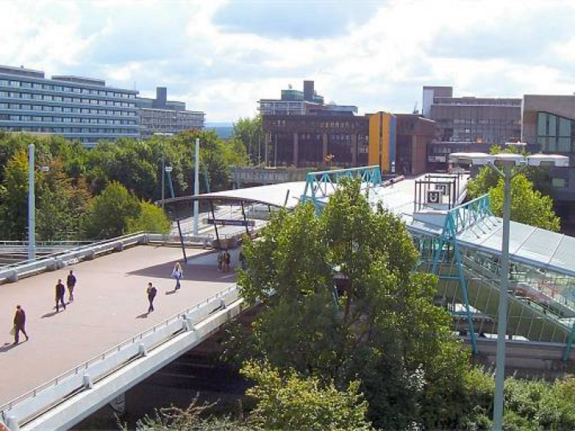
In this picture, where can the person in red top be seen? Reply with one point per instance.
(19, 324)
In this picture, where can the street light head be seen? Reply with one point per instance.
(506, 159)
(548, 160)
(471, 158)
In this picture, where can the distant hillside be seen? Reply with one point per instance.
(224, 130)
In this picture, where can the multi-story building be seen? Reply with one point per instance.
(548, 126)
(467, 123)
(160, 115)
(472, 119)
(295, 102)
(77, 108)
(414, 136)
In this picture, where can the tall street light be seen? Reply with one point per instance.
(197, 187)
(506, 166)
(31, 206)
(163, 162)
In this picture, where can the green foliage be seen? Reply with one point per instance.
(529, 404)
(61, 204)
(77, 173)
(190, 419)
(151, 219)
(527, 205)
(382, 329)
(291, 402)
(248, 132)
(14, 198)
(109, 212)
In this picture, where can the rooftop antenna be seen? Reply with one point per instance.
(415, 110)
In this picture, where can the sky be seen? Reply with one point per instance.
(222, 56)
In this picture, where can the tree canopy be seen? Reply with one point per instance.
(345, 303)
(75, 174)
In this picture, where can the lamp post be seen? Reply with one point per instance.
(503, 165)
(163, 162)
(31, 205)
(197, 187)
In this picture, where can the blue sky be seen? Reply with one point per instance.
(222, 56)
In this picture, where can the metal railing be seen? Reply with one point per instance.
(36, 401)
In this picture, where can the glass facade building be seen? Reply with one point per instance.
(472, 119)
(77, 108)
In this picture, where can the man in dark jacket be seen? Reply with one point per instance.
(60, 292)
(71, 283)
(151, 291)
(19, 324)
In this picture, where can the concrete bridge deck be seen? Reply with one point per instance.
(110, 307)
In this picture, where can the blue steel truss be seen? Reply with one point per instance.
(319, 185)
(466, 216)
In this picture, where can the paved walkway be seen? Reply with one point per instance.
(110, 307)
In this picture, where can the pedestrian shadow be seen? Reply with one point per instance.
(51, 314)
(171, 292)
(6, 347)
(142, 316)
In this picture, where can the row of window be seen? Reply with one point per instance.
(64, 88)
(317, 124)
(48, 108)
(41, 119)
(123, 132)
(484, 121)
(65, 99)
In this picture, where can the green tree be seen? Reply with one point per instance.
(379, 327)
(109, 213)
(61, 204)
(14, 198)
(248, 131)
(291, 402)
(151, 219)
(527, 205)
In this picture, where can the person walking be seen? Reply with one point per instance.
(60, 292)
(242, 260)
(177, 273)
(19, 324)
(220, 261)
(227, 261)
(71, 283)
(151, 291)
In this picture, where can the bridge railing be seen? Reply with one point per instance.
(13, 272)
(33, 403)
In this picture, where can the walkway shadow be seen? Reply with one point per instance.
(208, 273)
(142, 316)
(51, 314)
(6, 347)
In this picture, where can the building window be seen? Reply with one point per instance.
(559, 183)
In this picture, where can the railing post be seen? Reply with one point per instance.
(87, 382)
(12, 423)
(142, 351)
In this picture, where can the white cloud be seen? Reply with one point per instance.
(378, 59)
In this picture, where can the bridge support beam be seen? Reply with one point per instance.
(118, 404)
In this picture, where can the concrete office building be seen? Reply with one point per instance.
(396, 143)
(295, 102)
(414, 136)
(466, 123)
(77, 108)
(160, 115)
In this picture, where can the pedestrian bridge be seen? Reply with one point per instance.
(104, 343)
